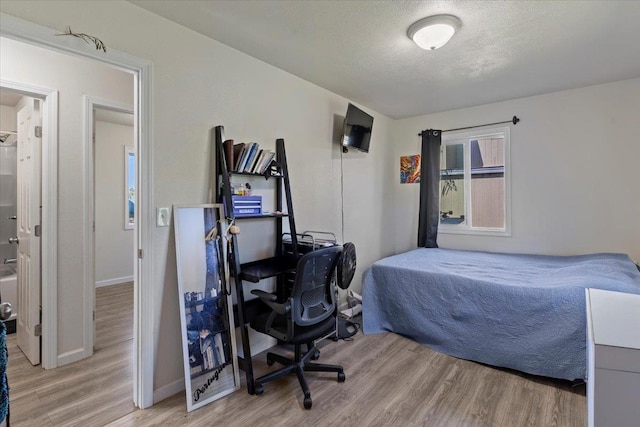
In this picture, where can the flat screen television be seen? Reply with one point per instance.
(357, 129)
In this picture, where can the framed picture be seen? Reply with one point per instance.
(206, 312)
(410, 169)
(129, 187)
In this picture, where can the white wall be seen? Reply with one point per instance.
(200, 83)
(8, 118)
(8, 172)
(114, 245)
(72, 77)
(575, 168)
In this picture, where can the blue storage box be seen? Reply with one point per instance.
(246, 205)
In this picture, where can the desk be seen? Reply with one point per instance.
(613, 358)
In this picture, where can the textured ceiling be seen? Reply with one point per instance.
(360, 50)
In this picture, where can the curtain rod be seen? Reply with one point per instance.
(514, 120)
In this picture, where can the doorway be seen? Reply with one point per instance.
(143, 346)
(114, 191)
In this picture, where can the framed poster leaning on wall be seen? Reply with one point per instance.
(206, 311)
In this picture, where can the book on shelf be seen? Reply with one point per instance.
(247, 157)
(228, 153)
(243, 158)
(254, 162)
(266, 162)
(238, 151)
(252, 151)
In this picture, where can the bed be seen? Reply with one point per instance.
(523, 312)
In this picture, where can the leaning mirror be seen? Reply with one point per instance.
(206, 314)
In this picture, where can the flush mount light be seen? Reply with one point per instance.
(433, 32)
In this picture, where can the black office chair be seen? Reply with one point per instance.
(308, 314)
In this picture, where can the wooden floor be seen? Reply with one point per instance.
(90, 392)
(391, 381)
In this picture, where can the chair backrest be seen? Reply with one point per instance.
(313, 296)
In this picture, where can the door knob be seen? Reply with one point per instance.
(14, 240)
(5, 311)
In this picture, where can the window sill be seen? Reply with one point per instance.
(494, 232)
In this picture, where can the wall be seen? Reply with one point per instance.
(114, 245)
(575, 176)
(200, 83)
(72, 77)
(8, 173)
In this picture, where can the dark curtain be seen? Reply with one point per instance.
(429, 215)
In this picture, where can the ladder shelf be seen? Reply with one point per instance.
(256, 270)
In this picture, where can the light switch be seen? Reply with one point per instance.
(162, 215)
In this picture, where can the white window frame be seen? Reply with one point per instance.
(465, 138)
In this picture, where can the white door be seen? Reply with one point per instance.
(28, 213)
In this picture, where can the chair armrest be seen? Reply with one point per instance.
(270, 300)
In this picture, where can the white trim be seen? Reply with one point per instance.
(168, 390)
(143, 268)
(49, 221)
(90, 103)
(114, 281)
(70, 357)
(144, 343)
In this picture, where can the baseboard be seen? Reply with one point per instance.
(70, 357)
(167, 391)
(116, 281)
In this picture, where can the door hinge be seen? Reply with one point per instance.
(93, 227)
(37, 231)
(140, 253)
(94, 315)
(38, 131)
(37, 330)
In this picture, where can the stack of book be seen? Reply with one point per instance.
(247, 157)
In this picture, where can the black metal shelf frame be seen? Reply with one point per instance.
(254, 271)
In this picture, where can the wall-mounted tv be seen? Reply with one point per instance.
(357, 129)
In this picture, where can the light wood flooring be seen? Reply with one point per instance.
(391, 381)
(90, 392)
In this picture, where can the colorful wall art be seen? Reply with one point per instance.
(410, 169)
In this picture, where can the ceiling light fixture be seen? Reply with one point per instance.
(433, 32)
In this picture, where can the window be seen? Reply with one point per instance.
(474, 182)
(129, 187)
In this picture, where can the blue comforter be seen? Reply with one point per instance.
(524, 312)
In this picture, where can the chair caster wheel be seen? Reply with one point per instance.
(341, 377)
(316, 356)
(259, 389)
(307, 402)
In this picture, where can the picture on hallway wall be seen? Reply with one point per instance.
(208, 334)
(410, 169)
(129, 187)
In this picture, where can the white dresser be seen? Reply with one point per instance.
(613, 359)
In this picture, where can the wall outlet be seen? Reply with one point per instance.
(162, 217)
